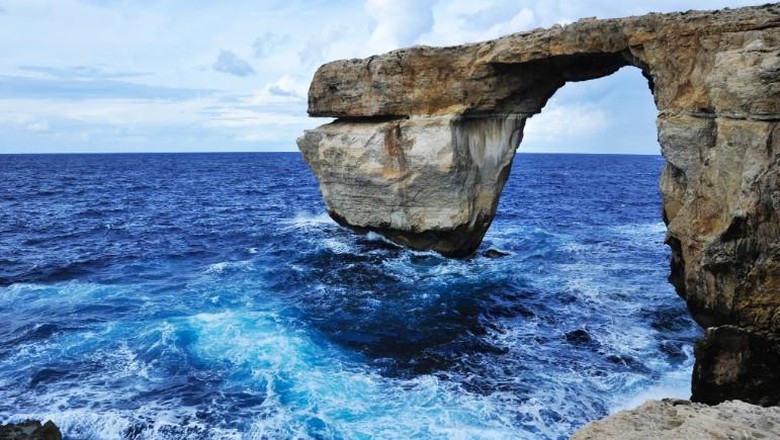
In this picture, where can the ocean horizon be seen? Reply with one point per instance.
(67, 153)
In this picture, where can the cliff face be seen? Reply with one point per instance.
(425, 138)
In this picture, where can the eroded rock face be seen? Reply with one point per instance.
(425, 138)
(429, 182)
(735, 362)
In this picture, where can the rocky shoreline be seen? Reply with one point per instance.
(683, 419)
(654, 419)
(30, 430)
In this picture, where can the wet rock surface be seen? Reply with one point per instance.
(30, 430)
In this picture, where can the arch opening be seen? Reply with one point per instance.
(594, 224)
(612, 114)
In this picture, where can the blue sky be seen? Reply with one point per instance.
(196, 75)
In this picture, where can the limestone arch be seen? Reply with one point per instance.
(424, 137)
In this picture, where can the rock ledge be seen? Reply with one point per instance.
(681, 419)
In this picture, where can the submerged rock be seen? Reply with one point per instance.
(495, 253)
(682, 419)
(30, 430)
(424, 141)
(578, 337)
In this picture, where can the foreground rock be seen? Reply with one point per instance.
(425, 138)
(30, 430)
(681, 419)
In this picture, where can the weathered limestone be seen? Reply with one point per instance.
(681, 419)
(425, 138)
(383, 176)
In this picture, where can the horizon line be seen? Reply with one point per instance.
(98, 153)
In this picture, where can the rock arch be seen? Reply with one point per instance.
(424, 140)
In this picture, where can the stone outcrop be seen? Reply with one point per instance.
(30, 430)
(682, 419)
(424, 141)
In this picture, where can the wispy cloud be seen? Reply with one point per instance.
(229, 62)
(76, 89)
(398, 22)
(109, 75)
(245, 117)
(287, 86)
(265, 44)
(106, 112)
(313, 53)
(567, 122)
(82, 72)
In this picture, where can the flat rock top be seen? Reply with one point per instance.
(681, 419)
(424, 80)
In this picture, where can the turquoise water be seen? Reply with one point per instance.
(210, 296)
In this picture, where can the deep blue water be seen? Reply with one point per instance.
(210, 296)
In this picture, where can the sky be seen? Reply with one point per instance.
(197, 75)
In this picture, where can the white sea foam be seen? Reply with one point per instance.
(654, 229)
(642, 235)
(373, 236)
(152, 423)
(306, 380)
(306, 220)
(29, 295)
(230, 266)
(338, 246)
(673, 384)
(346, 397)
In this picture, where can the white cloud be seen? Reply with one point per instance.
(80, 72)
(314, 52)
(154, 48)
(524, 19)
(461, 21)
(566, 123)
(39, 126)
(287, 86)
(244, 117)
(113, 112)
(267, 135)
(399, 23)
(287, 91)
(265, 44)
(23, 121)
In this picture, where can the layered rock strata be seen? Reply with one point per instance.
(424, 141)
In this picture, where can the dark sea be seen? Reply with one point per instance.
(209, 296)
